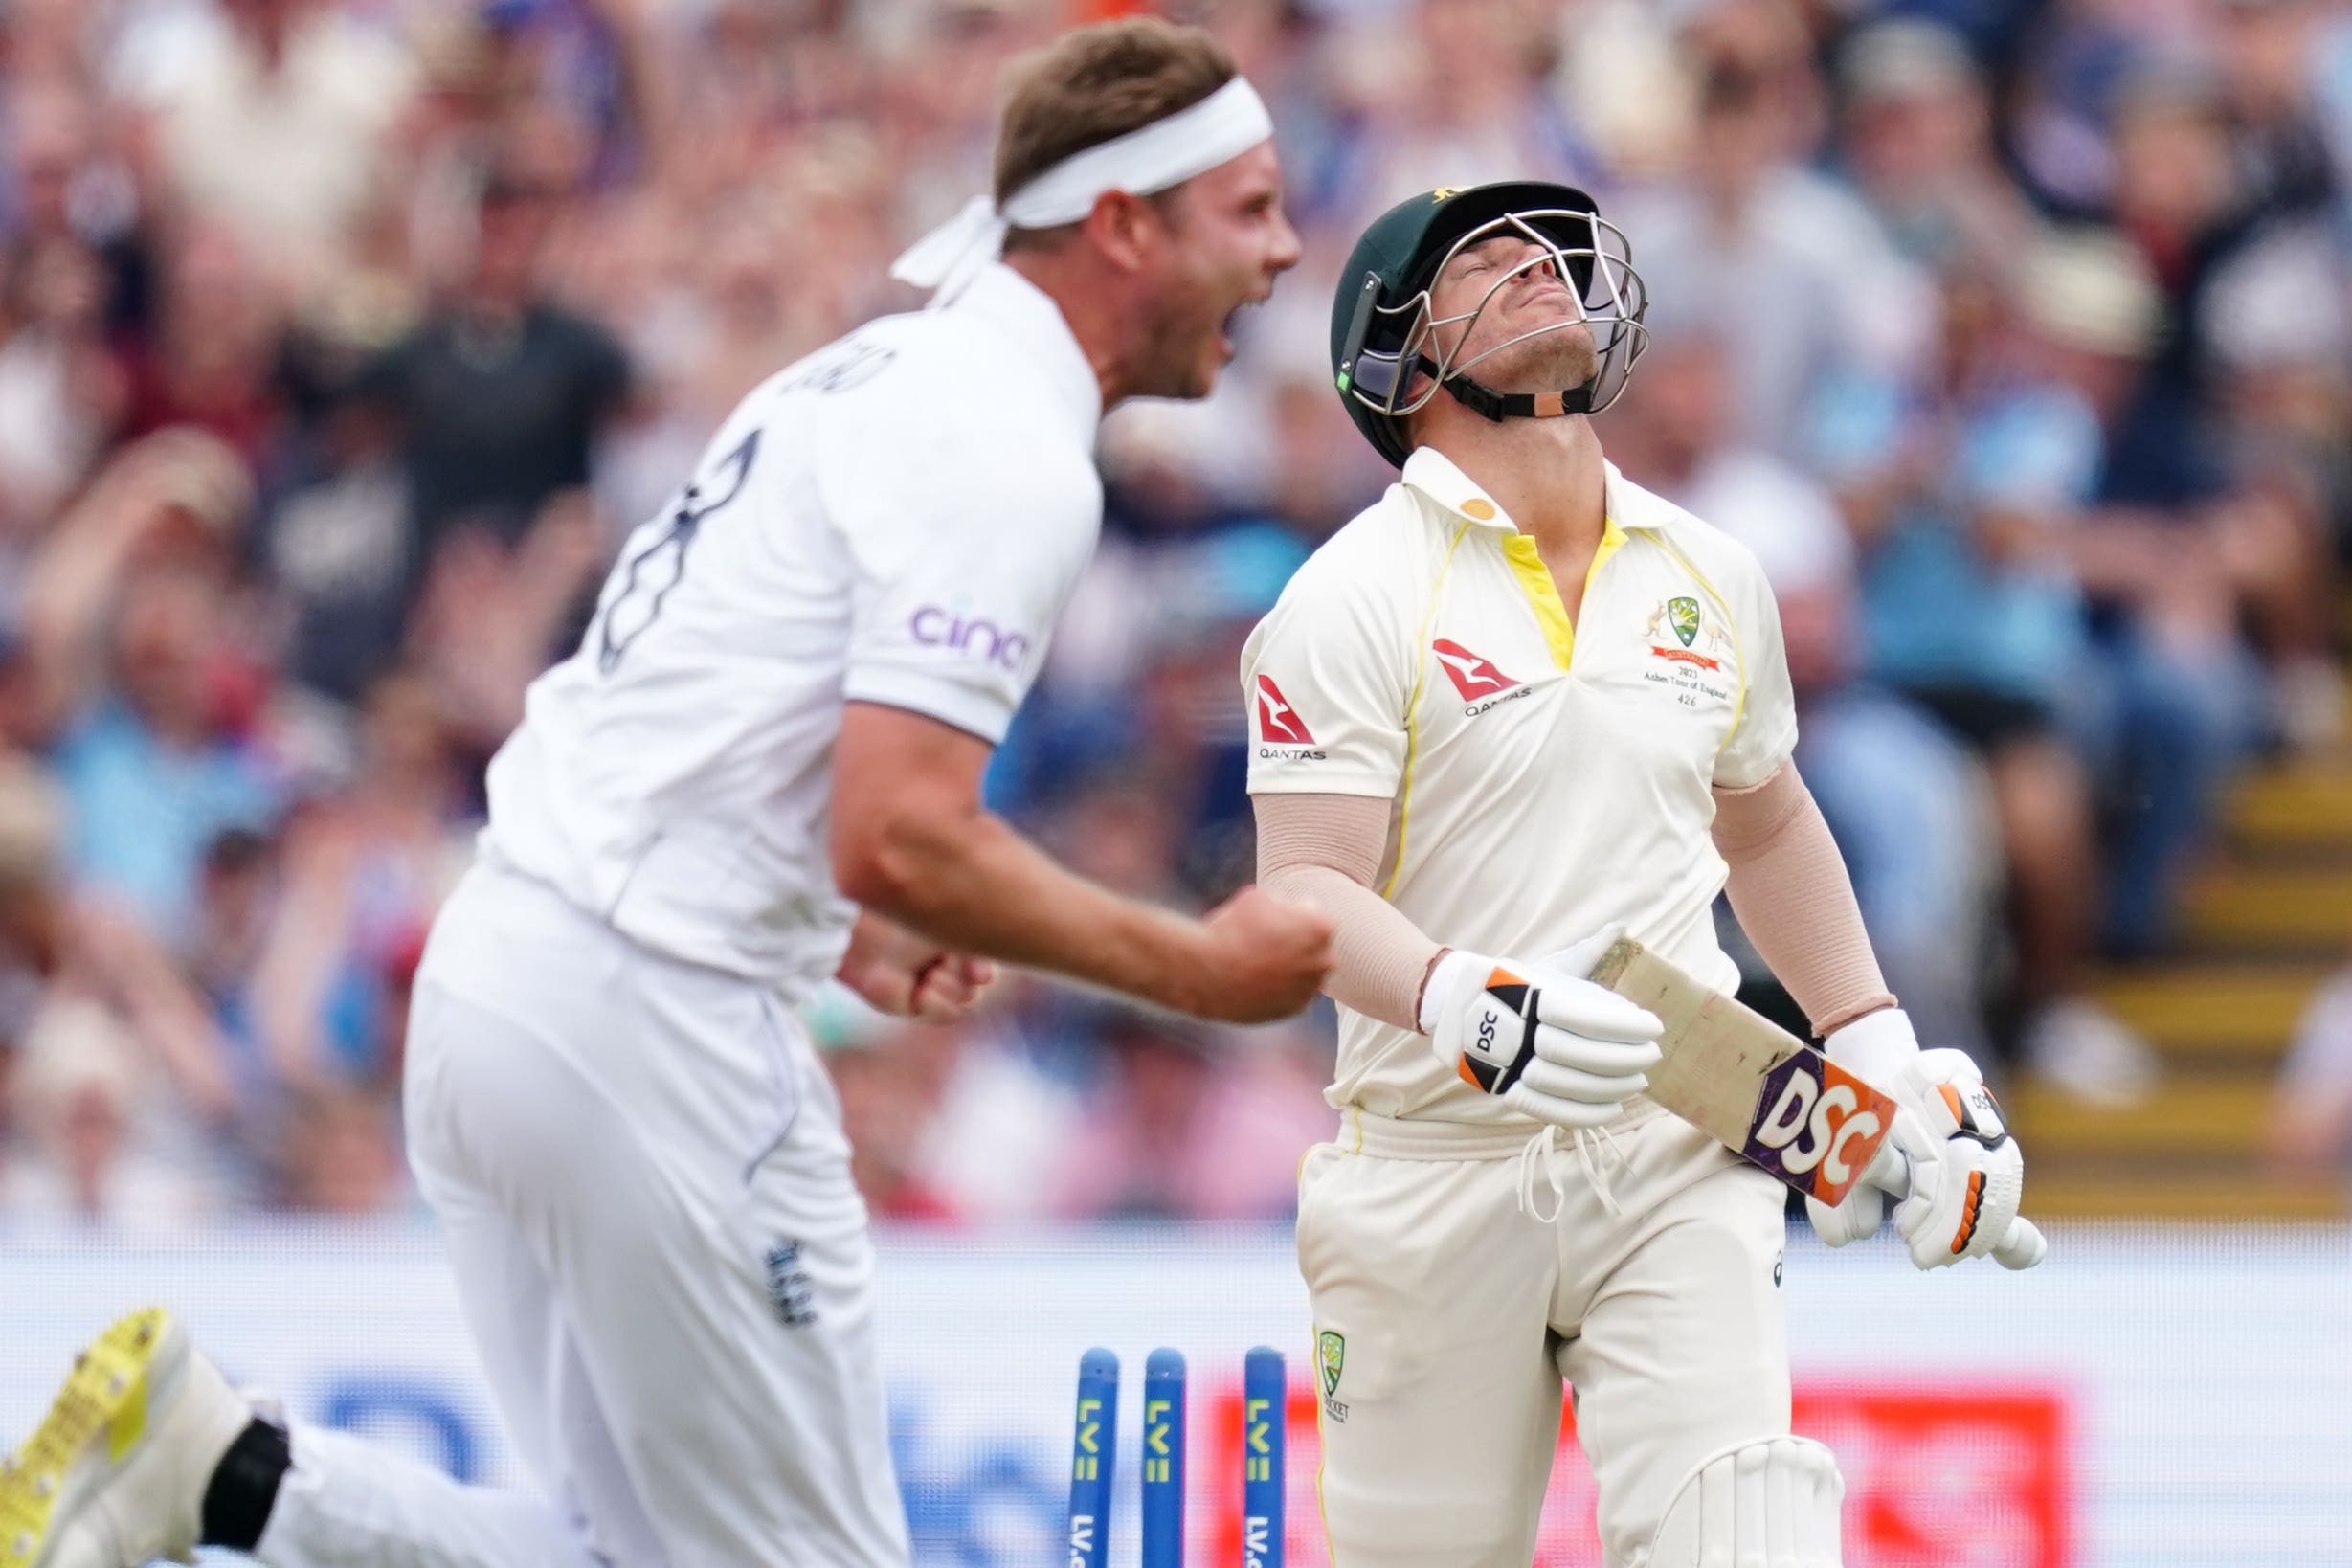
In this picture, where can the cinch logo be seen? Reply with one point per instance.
(1828, 1127)
(1278, 722)
(936, 628)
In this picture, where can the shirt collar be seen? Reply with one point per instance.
(1433, 474)
(1010, 303)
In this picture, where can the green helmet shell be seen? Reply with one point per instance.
(1398, 257)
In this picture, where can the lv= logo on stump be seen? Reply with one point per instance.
(1094, 1443)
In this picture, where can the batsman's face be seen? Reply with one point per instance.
(1518, 281)
(1225, 240)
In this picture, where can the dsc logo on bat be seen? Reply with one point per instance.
(1819, 1127)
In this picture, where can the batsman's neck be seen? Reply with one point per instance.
(1547, 474)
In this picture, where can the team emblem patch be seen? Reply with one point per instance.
(790, 1290)
(1331, 1354)
(1682, 634)
(1684, 613)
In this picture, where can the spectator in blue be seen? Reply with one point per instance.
(2165, 700)
(1961, 492)
(1904, 800)
(149, 700)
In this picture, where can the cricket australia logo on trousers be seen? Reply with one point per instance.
(1330, 1356)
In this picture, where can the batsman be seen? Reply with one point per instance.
(1520, 707)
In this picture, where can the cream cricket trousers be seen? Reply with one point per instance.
(641, 1171)
(1460, 1303)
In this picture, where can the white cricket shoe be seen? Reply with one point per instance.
(115, 1475)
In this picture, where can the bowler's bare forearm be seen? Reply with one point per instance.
(912, 841)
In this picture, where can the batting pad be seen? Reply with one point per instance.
(1772, 1504)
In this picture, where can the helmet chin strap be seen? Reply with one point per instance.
(1499, 406)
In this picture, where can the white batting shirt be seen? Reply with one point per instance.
(898, 519)
(1548, 777)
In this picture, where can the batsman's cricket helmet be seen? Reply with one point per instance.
(1383, 327)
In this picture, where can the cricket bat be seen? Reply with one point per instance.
(1760, 1091)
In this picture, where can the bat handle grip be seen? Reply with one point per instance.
(2023, 1246)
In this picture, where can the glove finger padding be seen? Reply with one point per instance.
(1603, 1058)
(1862, 1212)
(1909, 1146)
(1594, 1012)
(1964, 1201)
(1549, 1077)
(1553, 1048)
(1964, 1204)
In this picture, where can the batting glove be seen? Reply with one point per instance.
(1964, 1195)
(1878, 1048)
(1949, 1158)
(1538, 1037)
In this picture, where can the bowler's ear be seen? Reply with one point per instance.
(1123, 227)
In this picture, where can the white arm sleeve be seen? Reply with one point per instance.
(966, 539)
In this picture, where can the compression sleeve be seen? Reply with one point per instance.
(1790, 888)
(1324, 850)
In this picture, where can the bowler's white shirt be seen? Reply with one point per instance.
(897, 519)
(1547, 778)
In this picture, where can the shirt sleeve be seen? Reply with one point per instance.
(961, 560)
(1764, 735)
(1325, 681)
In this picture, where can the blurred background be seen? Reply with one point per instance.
(342, 339)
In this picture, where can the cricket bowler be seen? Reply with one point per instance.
(1518, 707)
(760, 769)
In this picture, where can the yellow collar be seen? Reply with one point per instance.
(1433, 475)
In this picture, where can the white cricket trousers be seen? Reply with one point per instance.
(641, 1170)
(1460, 1304)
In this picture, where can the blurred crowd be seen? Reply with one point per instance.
(340, 340)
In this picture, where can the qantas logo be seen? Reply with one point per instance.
(1472, 676)
(1278, 722)
(1481, 685)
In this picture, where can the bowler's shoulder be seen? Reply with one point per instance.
(937, 365)
(927, 403)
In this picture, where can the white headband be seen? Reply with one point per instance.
(1167, 152)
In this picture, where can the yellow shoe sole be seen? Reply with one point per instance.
(106, 1394)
